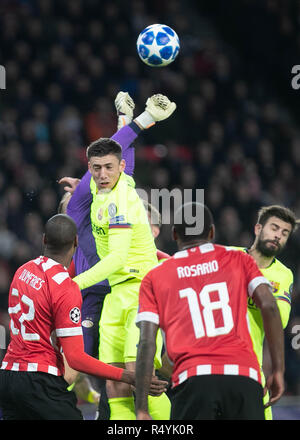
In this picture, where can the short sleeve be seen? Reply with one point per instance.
(67, 311)
(148, 310)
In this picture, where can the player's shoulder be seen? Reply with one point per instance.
(238, 254)
(57, 275)
(237, 248)
(162, 255)
(129, 180)
(282, 268)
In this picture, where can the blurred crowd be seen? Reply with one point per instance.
(234, 133)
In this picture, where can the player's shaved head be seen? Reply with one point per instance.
(60, 233)
(193, 222)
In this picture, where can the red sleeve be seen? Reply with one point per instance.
(148, 310)
(66, 309)
(71, 269)
(77, 359)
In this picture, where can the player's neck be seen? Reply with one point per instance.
(261, 260)
(184, 246)
(64, 261)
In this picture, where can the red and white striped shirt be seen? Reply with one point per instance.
(44, 303)
(198, 298)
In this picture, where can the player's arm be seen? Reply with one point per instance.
(148, 321)
(283, 299)
(158, 108)
(144, 367)
(119, 240)
(78, 360)
(266, 302)
(70, 375)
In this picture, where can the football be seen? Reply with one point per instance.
(158, 45)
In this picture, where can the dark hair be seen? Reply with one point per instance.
(102, 147)
(60, 233)
(281, 212)
(182, 226)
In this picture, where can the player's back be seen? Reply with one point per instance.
(201, 295)
(37, 298)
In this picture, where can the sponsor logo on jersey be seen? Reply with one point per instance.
(97, 229)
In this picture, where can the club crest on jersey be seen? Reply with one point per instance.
(75, 315)
(87, 323)
(100, 214)
(275, 286)
(112, 209)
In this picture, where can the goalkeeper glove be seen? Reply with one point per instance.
(158, 108)
(124, 105)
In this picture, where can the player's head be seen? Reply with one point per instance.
(60, 236)
(62, 207)
(105, 162)
(154, 218)
(193, 224)
(274, 226)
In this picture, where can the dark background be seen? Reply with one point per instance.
(235, 131)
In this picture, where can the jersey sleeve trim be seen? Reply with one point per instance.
(283, 298)
(120, 225)
(256, 282)
(147, 316)
(71, 331)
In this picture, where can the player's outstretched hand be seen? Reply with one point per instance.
(157, 386)
(275, 386)
(158, 108)
(70, 183)
(124, 105)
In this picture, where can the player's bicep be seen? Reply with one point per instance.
(148, 308)
(67, 314)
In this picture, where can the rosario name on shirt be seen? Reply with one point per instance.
(196, 270)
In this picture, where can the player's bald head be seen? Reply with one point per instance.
(60, 233)
(193, 221)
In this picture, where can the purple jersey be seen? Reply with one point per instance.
(79, 209)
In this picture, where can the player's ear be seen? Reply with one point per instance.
(76, 241)
(122, 165)
(257, 228)
(212, 233)
(44, 239)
